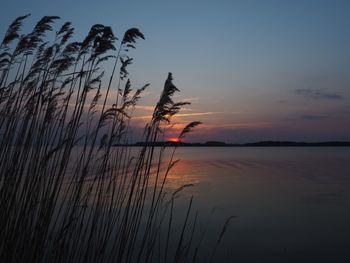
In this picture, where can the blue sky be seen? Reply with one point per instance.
(253, 70)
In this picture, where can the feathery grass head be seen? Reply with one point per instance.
(12, 32)
(188, 128)
(66, 32)
(125, 62)
(99, 40)
(131, 35)
(165, 106)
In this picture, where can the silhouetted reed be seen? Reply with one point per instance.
(69, 190)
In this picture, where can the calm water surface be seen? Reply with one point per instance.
(291, 204)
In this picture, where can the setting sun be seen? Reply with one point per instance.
(174, 139)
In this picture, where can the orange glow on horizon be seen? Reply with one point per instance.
(174, 139)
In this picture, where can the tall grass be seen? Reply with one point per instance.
(70, 190)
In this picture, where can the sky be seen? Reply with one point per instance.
(252, 70)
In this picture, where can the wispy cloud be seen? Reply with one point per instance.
(199, 113)
(229, 126)
(145, 107)
(151, 108)
(185, 114)
(313, 117)
(238, 125)
(318, 94)
(192, 99)
(281, 101)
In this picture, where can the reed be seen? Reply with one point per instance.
(69, 190)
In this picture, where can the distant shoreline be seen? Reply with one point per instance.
(255, 144)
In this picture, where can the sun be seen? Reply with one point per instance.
(174, 139)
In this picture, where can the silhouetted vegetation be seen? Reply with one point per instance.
(67, 192)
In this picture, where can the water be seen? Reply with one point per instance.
(291, 204)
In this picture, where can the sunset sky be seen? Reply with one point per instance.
(253, 70)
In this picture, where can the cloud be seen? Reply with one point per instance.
(318, 94)
(145, 107)
(151, 108)
(192, 99)
(281, 101)
(184, 114)
(313, 117)
(238, 125)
